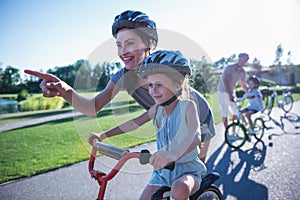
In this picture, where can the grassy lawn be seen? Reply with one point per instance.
(40, 148)
(36, 149)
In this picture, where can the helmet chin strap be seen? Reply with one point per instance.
(168, 102)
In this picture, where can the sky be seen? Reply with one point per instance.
(39, 35)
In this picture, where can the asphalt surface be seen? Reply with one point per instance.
(22, 124)
(259, 170)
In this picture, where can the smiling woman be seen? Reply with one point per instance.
(132, 49)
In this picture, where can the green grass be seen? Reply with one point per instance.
(33, 150)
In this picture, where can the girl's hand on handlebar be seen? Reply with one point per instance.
(160, 159)
(51, 85)
(93, 136)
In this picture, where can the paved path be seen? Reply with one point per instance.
(260, 170)
(21, 124)
(71, 114)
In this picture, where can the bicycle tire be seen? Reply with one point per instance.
(270, 105)
(259, 127)
(287, 103)
(236, 135)
(212, 192)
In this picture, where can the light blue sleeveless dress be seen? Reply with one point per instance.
(171, 130)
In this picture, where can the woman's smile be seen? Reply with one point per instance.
(131, 50)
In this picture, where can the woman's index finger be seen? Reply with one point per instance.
(46, 77)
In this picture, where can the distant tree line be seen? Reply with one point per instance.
(83, 75)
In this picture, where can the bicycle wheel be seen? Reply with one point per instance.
(235, 135)
(259, 127)
(287, 103)
(270, 105)
(211, 193)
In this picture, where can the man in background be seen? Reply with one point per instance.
(231, 75)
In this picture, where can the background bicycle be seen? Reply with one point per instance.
(271, 98)
(237, 133)
(207, 189)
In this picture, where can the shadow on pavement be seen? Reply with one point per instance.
(287, 120)
(234, 180)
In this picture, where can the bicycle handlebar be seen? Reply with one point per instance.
(122, 155)
(109, 150)
(119, 154)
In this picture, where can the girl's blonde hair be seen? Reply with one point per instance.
(179, 79)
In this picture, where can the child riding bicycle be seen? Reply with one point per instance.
(177, 125)
(255, 100)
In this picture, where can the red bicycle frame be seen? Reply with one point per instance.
(118, 153)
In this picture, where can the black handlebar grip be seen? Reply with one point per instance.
(145, 156)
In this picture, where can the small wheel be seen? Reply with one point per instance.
(287, 103)
(235, 135)
(270, 105)
(259, 127)
(212, 192)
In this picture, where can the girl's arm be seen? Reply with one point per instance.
(193, 139)
(123, 128)
(250, 94)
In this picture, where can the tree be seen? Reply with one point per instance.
(204, 78)
(223, 62)
(1, 77)
(289, 56)
(256, 64)
(100, 76)
(84, 72)
(10, 80)
(278, 53)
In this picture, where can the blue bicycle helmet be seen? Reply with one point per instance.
(163, 61)
(255, 80)
(135, 20)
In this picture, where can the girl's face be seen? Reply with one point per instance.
(251, 85)
(161, 88)
(131, 50)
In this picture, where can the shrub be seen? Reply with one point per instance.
(42, 103)
(22, 95)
